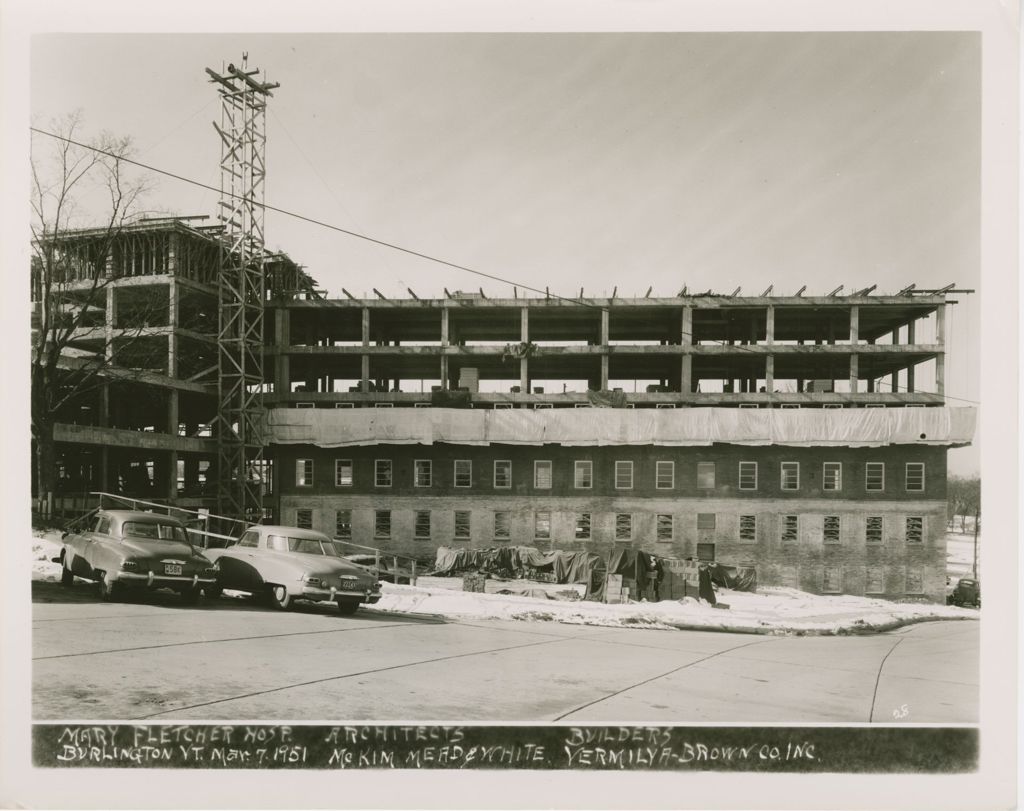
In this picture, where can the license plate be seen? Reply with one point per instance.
(172, 568)
(350, 585)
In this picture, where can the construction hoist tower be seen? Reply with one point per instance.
(242, 130)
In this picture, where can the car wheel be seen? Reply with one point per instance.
(108, 589)
(190, 596)
(213, 592)
(348, 607)
(66, 578)
(278, 596)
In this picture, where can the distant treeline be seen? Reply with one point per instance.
(963, 498)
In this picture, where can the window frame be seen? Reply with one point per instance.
(588, 517)
(784, 529)
(906, 477)
(869, 531)
(750, 530)
(837, 587)
(740, 475)
(714, 522)
(619, 462)
(620, 520)
(539, 535)
(337, 473)
(377, 533)
(671, 474)
(919, 541)
(838, 477)
(783, 476)
(301, 479)
(868, 574)
(506, 519)
(714, 480)
(417, 470)
(576, 470)
(868, 467)
(380, 472)
(416, 526)
(456, 474)
(507, 486)
(338, 522)
(537, 467)
(300, 513)
(467, 525)
(659, 523)
(825, 530)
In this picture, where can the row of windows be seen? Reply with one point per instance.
(664, 526)
(874, 580)
(583, 475)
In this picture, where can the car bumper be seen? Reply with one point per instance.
(319, 594)
(163, 580)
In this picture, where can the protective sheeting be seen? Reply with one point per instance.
(737, 578)
(519, 561)
(854, 427)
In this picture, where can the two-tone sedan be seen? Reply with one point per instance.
(285, 564)
(136, 550)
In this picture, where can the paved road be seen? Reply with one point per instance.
(236, 660)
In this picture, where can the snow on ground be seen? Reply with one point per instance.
(771, 610)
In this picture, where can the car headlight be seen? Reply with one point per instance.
(313, 581)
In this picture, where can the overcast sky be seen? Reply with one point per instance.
(717, 160)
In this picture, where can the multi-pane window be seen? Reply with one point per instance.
(342, 472)
(382, 524)
(463, 472)
(422, 473)
(303, 472)
(542, 525)
(832, 580)
(664, 527)
(583, 475)
(875, 582)
(502, 526)
(463, 524)
(623, 526)
(915, 477)
(623, 475)
(542, 474)
(665, 475)
(706, 521)
(705, 551)
(748, 527)
(421, 528)
(830, 529)
(343, 524)
(748, 475)
(874, 477)
(790, 528)
(790, 476)
(582, 526)
(502, 473)
(304, 519)
(915, 529)
(705, 475)
(832, 477)
(382, 473)
(915, 581)
(873, 529)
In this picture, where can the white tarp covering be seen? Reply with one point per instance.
(855, 427)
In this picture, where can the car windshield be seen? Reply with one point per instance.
(153, 531)
(304, 546)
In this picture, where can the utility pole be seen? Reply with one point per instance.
(974, 568)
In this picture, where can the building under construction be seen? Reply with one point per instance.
(783, 431)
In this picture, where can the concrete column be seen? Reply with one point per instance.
(524, 375)
(103, 417)
(524, 336)
(172, 412)
(604, 327)
(940, 339)
(111, 320)
(770, 324)
(366, 326)
(769, 373)
(854, 324)
(686, 374)
(940, 373)
(172, 322)
(910, 369)
(444, 326)
(282, 340)
(894, 378)
(854, 371)
(172, 253)
(604, 372)
(686, 331)
(172, 475)
(364, 374)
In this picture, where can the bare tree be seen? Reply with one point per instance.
(73, 346)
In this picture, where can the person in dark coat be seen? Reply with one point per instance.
(704, 588)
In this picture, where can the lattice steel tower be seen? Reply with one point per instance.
(241, 288)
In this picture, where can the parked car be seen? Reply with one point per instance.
(136, 550)
(966, 592)
(286, 563)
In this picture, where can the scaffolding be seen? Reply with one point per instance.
(241, 289)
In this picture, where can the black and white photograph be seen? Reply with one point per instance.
(584, 400)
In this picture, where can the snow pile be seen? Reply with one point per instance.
(44, 548)
(773, 610)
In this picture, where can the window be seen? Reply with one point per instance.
(582, 526)
(623, 526)
(706, 521)
(915, 581)
(873, 529)
(705, 475)
(705, 551)
(542, 475)
(665, 475)
(832, 580)
(382, 473)
(422, 473)
(382, 524)
(748, 528)
(915, 529)
(502, 473)
(583, 477)
(303, 472)
(343, 524)
(421, 527)
(915, 477)
(304, 519)
(832, 477)
(463, 525)
(664, 527)
(790, 476)
(502, 526)
(830, 529)
(463, 473)
(748, 475)
(103, 525)
(342, 472)
(790, 528)
(875, 583)
(250, 539)
(542, 525)
(623, 475)
(874, 476)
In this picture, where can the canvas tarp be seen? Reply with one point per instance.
(737, 578)
(516, 561)
(853, 427)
